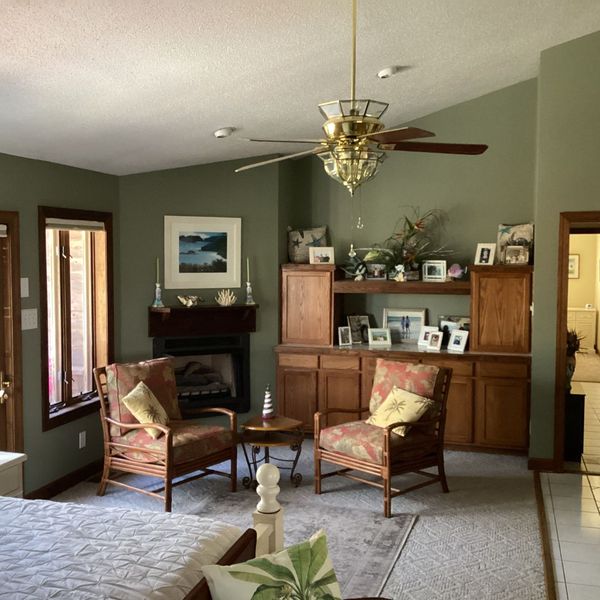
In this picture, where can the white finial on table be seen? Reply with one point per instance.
(268, 490)
(268, 411)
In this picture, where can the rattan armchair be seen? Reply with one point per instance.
(380, 453)
(185, 448)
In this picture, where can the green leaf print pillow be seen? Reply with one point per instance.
(302, 572)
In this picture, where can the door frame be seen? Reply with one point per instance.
(15, 407)
(586, 222)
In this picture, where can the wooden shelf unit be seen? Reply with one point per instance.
(349, 286)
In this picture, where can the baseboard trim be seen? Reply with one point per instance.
(541, 464)
(546, 549)
(65, 482)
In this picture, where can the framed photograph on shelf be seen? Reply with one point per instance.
(434, 270)
(435, 341)
(573, 268)
(359, 328)
(485, 254)
(376, 271)
(202, 252)
(514, 235)
(426, 331)
(458, 340)
(516, 255)
(448, 323)
(323, 255)
(379, 337)
(344, 338)
(404, 323)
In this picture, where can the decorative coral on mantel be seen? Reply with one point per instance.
(225, 298)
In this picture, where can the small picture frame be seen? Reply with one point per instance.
(426, 331)
(458, 340)
(434, 270)
(573, 268)
(359, 328)
(448, 323)
(379, 337)
(516, 255)
(405, 323)
(376, 271)
(435, 341)
(485, 254)
(321, 255)
(344, 336)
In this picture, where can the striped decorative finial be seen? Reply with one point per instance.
(268, 410)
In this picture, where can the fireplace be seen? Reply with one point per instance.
(210, 349)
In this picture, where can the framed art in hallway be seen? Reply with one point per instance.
(202, 252)
(573, 268)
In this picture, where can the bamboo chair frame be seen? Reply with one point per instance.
(162, 464)
(395, 461)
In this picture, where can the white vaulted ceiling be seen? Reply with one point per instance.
(124, 86)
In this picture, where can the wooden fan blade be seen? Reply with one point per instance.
(283, 141)
(317, 150)
(390, 136)
(437, 147)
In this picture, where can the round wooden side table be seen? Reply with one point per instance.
(259, 433)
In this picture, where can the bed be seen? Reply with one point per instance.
(61, 550)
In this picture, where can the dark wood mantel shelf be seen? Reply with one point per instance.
(349, 286)
(208, 319)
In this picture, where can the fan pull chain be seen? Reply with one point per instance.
(359, 221)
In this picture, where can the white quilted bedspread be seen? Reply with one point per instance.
(55, 550)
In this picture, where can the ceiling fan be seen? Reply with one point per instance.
(356, 140)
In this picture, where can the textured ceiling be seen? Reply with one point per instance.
(124, 86)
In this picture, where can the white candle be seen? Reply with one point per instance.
(247, 268)
(157, 270)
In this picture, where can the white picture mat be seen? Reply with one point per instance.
(492, 251)
(424, 335)
(177, 225)
(458, 340)
(435, 341)
(379, 332)
(395, 320)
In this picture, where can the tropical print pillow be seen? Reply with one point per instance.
(144, 406)
(302, 572)
(400, 405)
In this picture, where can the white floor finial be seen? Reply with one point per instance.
(268, 516)
(268, 490)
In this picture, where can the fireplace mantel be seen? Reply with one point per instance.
(210, 319)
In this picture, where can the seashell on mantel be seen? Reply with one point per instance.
(225, 298)
(189, 301)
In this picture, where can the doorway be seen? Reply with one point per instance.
(577, 406)
(11, 410)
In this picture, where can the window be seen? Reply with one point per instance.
(76, 314)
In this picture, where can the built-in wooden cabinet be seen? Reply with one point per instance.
(488, 402)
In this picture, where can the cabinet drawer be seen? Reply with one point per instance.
(10, 480)
(459, 367)
(302, 361)
(503, 369)
(339, 362)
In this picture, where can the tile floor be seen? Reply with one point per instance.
(572, 504)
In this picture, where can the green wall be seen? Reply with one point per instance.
(568, 150)
(206, 190)
(476, 192)
(25, 184)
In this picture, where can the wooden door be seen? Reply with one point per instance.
(339, 389)
(500, 309)
(11, 420)
(307, 305)
(502, 413)
(297, 390)
(459, 412)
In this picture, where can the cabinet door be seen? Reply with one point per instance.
(339, 389)
(502, 413)
(459, 412)
(306, 306)
(500, 315)
(297, 390)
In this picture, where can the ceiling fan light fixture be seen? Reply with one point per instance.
(365, 108)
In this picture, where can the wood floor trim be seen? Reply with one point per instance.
(546, 547)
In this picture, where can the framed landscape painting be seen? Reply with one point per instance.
(202, 252)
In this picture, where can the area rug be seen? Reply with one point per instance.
(479, 541)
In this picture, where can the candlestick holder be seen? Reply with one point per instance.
(158, 303)
(249, 297)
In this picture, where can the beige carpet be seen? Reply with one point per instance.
(588, 367)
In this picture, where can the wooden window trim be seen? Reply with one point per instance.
(88, 406)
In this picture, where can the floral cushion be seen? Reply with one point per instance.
(360, 440)
(157, 374)
(416, 378)
(302, 572)
(190, 442)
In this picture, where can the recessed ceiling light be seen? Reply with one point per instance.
(224, 132)
(389, 71)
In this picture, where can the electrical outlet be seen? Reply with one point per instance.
(82, 440)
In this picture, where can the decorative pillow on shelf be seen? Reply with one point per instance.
(144, 406)
(303, 572)
(299, 241)
(400, 405)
